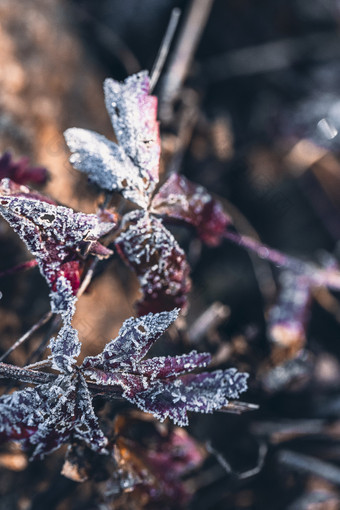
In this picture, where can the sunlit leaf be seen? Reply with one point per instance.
(186, 201)
(131, 167)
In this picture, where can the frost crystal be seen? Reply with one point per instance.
(65, 349)
(57, 236)
(48, 416)
(160, 264)
(132, 166)
(134, 340)
(153, 384)
(185, 201)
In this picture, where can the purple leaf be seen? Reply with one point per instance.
(132, 166)
(20, 171)
(159, 367)
(160, 264)
(183, 200)
(50, 415)
(57, 236)
(152, 384)
(134, 340)
(203, 393)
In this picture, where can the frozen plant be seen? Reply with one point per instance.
(67, 244)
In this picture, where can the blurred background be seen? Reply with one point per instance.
(249, 104)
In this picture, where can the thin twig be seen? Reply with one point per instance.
(210, 319)
(44, 319)
(20, 267)
(88, 277)
(270, 56)
(111, 41)
(40, 349)
(38, 364)
(306, 464)
(184, 51)
(164, 48)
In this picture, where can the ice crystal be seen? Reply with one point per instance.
(154, 385)
(188, 202)
(65, 348)
(56, 235)
(134, 340)
(48, 416)
(160, 264)
(132, 166)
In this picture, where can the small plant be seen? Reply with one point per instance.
(68, 244)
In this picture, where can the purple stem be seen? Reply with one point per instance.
(318, 277)
(20, 267)
(36, 377)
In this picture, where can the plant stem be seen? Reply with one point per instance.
(317, 276)
(164, 49)
(45, 318)
(26, 375)
(24, 266)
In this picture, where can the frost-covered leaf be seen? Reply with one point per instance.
(133, 114)
(21, 171)
(155, 385)
(134, 340)
(186, 201)
(160, 264)
(106, 164)
(132, 166)
(162, 366)
(57, 236)
(20, 414)
(48, 416)
(65, 349)
(203, 393)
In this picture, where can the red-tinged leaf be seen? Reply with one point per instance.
(9, 187)
(177, 454)
(183, 200)
(57, 236)
(19, 414)
(160, 264)
(48, 416)
(156, 464)
(152, 384)
(131, 167)
(20, 171)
